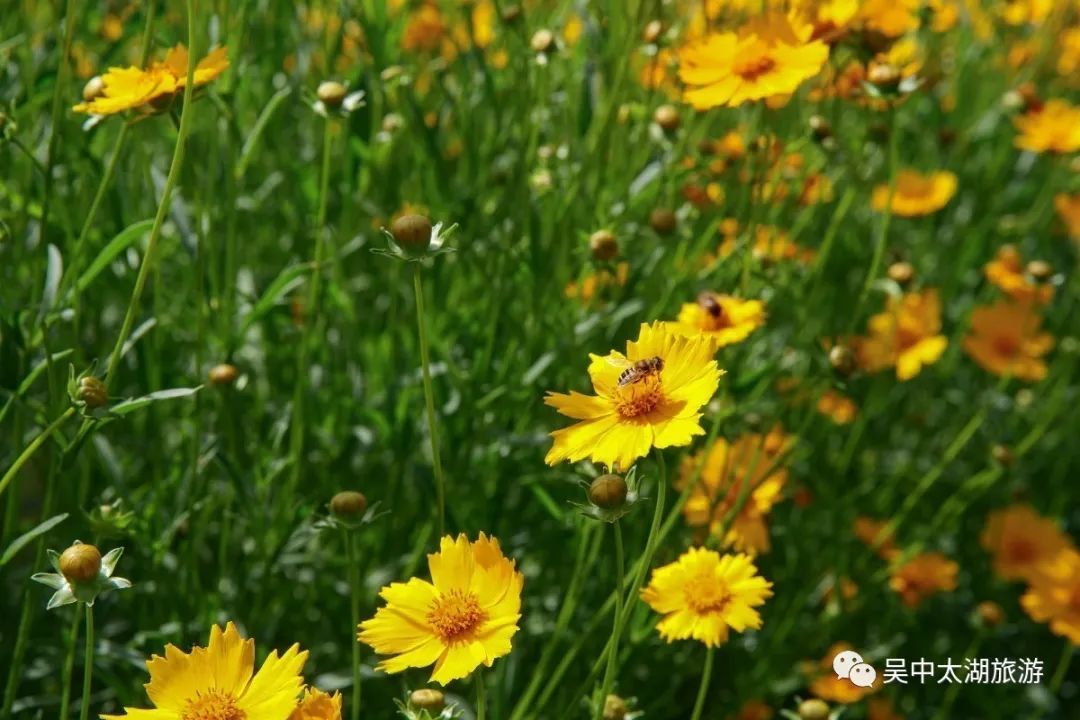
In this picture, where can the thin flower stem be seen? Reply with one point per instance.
(311, 311)
(703, 690)
(30, 449)
(613, 646)
(163, 206)
(69, 668)
(481, 699)
(88, 669)
(353, 572)
(1067, 653)
(429, 399)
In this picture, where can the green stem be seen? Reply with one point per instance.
(703, 691)
(481, 699)
(69, 668)
(429, 399)
(353, 572)
(166, 197)
(88, 669)
(613, 646)
(311, 319)
(30, 449)
(1063, 666)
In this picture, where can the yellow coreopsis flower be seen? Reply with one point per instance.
(317, 705)
(219, 681)
(1021, 540)
(131, 87)
(1055, 127)
(1005, 340)
(1054, 596)
(891, 18)
(768, 59)
(704, 595)
(838, 408)
(1007, 271)
(1023, 12)
(922, 576)
(725, 319)
(649, 397)
(463, 618)
(916, 194)
(907, 336)
(1068, 208)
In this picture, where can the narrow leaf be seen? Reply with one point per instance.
(23, 540)
(117, 245)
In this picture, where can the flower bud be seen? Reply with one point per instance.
(615, 708)
(223, 374)
(813, 709)
(608, 492)
(603, 244)
(1002, 455)
(542, 41)
(427, 699)
(1039, 269)
(331, 93)
(667, 117)
(412, 232)
(511, 14)
(990, 613)
(652, 31)
(80, 563)
(662, 221)
(820, 128)
(884, 75)
(92, 392)
(348, 504)
(842, 359)
(901, 273)
(93, 89)
(392, 122)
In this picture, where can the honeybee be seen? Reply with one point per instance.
(639, 370)
(710, 304)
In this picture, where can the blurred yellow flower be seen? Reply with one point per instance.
(594, 284)
(725, 319)
(764, 60)
(771, 244)
(838, 408)
(703, 595)
(317, 705)
(922, 576)
(1005, 340)
(1023, 12)
(879, 708)
(891, 18)
(916, 194)
(1007, 272)
(219, 681)
(424, 29)
(1055, 127)
(907, 336)
(463, 618)
(754, 710)
(1068, 207)
(1054, 596)
(746, 477)
(1021, 540)
(873, 533)
(649, 397)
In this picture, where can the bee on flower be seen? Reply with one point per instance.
(1008, 272)
(725, 319)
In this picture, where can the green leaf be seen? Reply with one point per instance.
(284, 283)
(130, 406)
(257, 130)
(117, 245)
(23, 540)
(53, 273)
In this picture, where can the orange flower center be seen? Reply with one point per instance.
(639, 398)
(213, 705)
(1021, 551)
(704, 593)
(1006, 346)
(754, 67)
(455, 614)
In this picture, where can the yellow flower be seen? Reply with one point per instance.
(703, 595)
(1021, 540)
(838, 408)
(746, 475)
(1068, 63)
(879, 708)
(1068, 207)
(129, 88)
(1006, 271)
(762, 61)
(870, 531)
(770, 245)
(726, 320)
(666, 379)
(1005, 340)
(1054, 596)
(891, 18)
(318, 705)
(597, 283)
(464, 617)
(922, 576)
(906, 336)
(1022, 12)
(217, 682)
(424, 30)
(915, 194)
(1053, 128)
